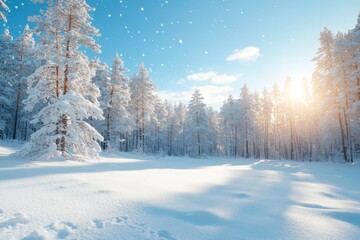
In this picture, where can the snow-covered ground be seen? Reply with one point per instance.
(128, 196)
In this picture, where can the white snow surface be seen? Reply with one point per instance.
(131, 196)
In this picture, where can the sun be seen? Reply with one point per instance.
(297, 91)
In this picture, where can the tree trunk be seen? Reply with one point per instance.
(18, 99)
(348, 129)
(65, 117)
(247, 141)
(344, 150)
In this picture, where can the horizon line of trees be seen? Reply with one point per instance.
(64, 105)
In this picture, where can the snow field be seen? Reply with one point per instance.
(130, 196)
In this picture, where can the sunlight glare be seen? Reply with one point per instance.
(297, 92)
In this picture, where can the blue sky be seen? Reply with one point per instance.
(213, 45)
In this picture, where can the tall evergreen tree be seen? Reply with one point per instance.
(267, 109)
(26, 66)
(65, 83)
(332, 107)
(197, 126)
(8, 73)
(118, 122)
(180, 117)
(246, 119)
(142, 106)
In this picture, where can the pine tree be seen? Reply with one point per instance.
(229, 126)
(332, 107)
(267, 109)
(118, 122)
(258, 139)
(64, 82)
(180, 117)
(26, 66)
(142, 106)
(102, 81)
(8, 75)
(197, 126)
(345, 84)
(214, 129)
(354, 38)
(158, 129)
(246, 118)
(355, 50)
(170, 128)
(277, 139)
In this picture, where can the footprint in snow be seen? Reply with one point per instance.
(138, 227)
(241, 195)
(57, 230)
(62, 229)
(165, 235)
(40, 234)
(18, 218)
(99, 223)
(104, 191)
(120, 219)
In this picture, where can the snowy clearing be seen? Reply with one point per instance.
(128, 196)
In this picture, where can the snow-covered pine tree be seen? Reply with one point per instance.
(213, 116)
(8, 73)
(331, 106)
(141, 106)
(65, 84)
(102, 81)
(355, 50)
(316, 109)
(266, 108)
(289, 110)
(4, 6)
(198, 129)
(118, 121)
(346, 85)
(258, 139)
(246, 120)
(229, 126)
(26, 66)
(180, 117)
(277, 137)
(157, 129)
(354, 36)
(171, 128)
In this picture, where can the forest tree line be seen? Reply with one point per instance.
(64, 105)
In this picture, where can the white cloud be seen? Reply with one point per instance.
(212, 89)
(213, 95)
(201, 76)
(175, 96)
(224, 78)
(244, 55)
(214, 77)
